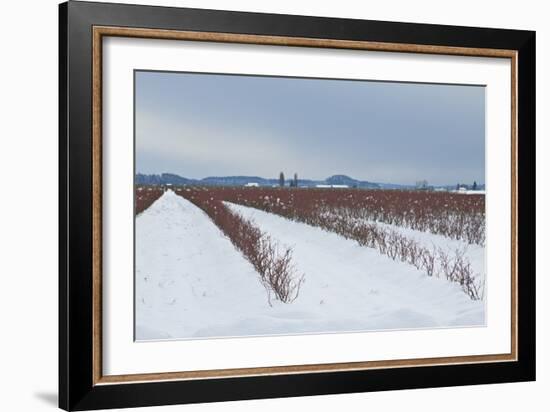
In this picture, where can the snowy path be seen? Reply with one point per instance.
(192, 282)
(188, 274)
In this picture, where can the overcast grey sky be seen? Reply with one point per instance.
(199, 125)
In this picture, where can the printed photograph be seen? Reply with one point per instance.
(272, 205)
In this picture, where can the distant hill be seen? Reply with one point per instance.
(237, 180)
(348, 181)
(341, 180)
(162, 179)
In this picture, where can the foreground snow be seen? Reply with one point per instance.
(188, 274)
(192, 282)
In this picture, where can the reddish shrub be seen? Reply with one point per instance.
(145, 196)
(454, 215)
(352, 214)
(349, 213)
(276, 271)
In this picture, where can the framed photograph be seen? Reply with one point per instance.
(256, 205)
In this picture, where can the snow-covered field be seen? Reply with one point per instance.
(191, 281)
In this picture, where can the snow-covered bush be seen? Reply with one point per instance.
(323, 209)
(274, 266)
(449, 214)
(353, 214)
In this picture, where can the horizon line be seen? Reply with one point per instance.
(311, 179)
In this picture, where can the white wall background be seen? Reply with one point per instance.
(28, 203)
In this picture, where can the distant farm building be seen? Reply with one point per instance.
(332, 186)
(252, 184)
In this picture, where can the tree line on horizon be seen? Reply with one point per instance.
(293, 182)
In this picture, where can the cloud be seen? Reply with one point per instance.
(210, 147)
